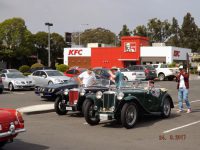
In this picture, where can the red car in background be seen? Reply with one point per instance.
(11, 123)
(73, 72)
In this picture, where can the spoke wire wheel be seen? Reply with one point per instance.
(166, 107)
(92, 113)
(131, 115)
(60, 106)
(161, 77)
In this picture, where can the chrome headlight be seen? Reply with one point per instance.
(66, 91)
(17, 82)
(58, 80)
(99, 95)
(82, 92)
(120, 95)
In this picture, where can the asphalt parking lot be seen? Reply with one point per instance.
(53, 132)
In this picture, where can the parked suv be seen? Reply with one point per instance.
(149, 71)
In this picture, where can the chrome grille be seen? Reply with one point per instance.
(109, 100)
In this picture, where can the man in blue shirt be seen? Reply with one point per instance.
(118, 76)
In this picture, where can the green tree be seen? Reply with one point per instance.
(16, 41)
(57, 46)
(189, 33)
(41, 43)
(124, 32)
(98, 35)
(140, 31)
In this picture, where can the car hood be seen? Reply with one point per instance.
(61, 85)
(23, 79)
(5, 116)
(60, 77)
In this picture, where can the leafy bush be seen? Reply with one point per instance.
(172, 65)
(26, 73)
(36, 65)
(62, 67)
(24, 68)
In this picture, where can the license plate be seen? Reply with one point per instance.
(68, 108)
(103, 117)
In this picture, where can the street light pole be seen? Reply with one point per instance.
(79, 37)
(49, 44)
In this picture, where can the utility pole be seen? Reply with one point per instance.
(49, 44)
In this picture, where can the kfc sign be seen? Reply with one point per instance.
(130, 47)
(176, 53)
(77, 52)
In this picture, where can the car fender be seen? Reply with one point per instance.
(60, 92)
(97, 102)
(171, 101)
(137, 101)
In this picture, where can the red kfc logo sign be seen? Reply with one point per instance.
(176, 53)
(130, 47)
(74, 52)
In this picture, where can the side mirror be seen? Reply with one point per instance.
(44, 76)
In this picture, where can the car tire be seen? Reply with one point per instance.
(1, 91)
(170, 78)
(166, 108)
(11, 87)
(3, 143)
(125, 78)
(89, 114)
(60, 107)
(129, 115)
(161, 77)
(83, 106)
(50, 83)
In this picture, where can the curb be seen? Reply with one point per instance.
(37, 109)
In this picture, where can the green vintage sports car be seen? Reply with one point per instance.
(127, 103)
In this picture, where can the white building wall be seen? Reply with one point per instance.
(169, 52)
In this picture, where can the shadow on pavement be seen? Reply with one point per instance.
(21, 145)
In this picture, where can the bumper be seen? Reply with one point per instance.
(24, 87)
(9, 133)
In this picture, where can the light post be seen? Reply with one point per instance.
(49, 55)
(79, 37)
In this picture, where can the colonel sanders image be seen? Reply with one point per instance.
(129, 47)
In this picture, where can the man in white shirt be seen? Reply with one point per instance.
(87, 78)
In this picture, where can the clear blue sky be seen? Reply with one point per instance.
(68, 15)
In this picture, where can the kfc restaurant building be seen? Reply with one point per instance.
(127, 54)
(134, 50)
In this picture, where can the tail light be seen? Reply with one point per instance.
(19, 117)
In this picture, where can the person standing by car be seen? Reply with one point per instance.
(87, 78)
(117, 76)
(183, 86)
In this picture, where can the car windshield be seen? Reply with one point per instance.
(15, 75)
(101, 82)
(150, 67)
(13, 70)
(134, 84)
(54, 73)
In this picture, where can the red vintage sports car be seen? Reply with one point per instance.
(11, 123)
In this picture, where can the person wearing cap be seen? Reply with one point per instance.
(117, 76)
(87, 78)
(183, 86)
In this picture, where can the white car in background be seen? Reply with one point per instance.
(13, 81)
(132, 75)
(47, 77)
(164, 72)
(9, 71)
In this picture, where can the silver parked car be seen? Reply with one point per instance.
(47, 77)
(9, 71)
(14, 81)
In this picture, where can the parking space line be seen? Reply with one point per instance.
(177, 128)
(190, 102)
